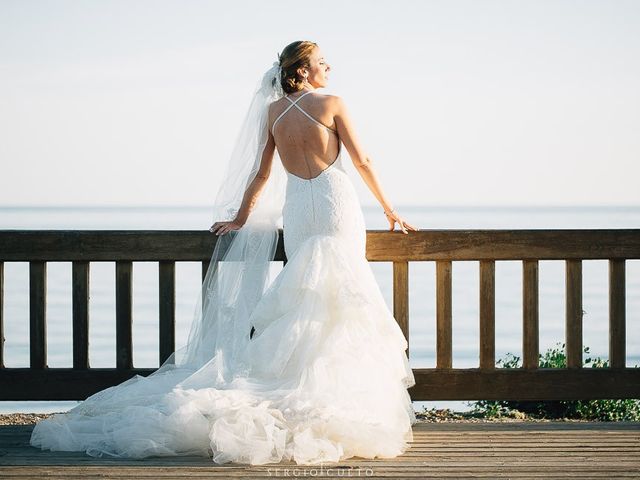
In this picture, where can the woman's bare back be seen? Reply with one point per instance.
(307, 145)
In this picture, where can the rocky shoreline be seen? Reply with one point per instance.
(426, 416)
(22, 418)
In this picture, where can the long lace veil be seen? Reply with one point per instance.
(240, 264)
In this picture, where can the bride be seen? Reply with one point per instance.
(309, 367)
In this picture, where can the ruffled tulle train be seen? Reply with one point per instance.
(326, 379)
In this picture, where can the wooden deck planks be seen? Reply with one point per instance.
(577, 450)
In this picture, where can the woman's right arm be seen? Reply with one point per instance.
(363, 163)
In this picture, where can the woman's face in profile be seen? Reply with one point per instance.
(319, 69)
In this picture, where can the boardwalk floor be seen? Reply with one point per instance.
(514, 450)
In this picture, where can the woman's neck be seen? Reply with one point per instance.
(303, 91)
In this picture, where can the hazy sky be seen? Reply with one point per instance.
(457, 102)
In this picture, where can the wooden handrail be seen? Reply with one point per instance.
(123, 247)
(424, 245)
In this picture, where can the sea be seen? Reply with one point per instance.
(422, 331)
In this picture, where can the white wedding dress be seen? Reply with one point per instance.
(327, 368)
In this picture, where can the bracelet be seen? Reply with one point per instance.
(390, 211)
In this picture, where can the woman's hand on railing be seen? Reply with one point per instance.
(394, 218)
(220, 228)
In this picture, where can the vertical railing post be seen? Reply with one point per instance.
(167, 308)
(124, 314)
(205, 268)
(37, 314)
(530, 347)
(617, 301)
(573, 304)
(1, 314)
(80, 306)
(401, 297)
(443, 314)
(206, 264)
(487, 314)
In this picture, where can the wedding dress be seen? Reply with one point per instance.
(321, 377)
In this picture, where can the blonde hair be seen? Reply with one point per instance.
(295, 55)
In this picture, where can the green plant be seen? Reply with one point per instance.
(606, 409)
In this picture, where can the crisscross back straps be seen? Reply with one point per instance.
(294, 104)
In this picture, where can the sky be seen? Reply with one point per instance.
(456, 102)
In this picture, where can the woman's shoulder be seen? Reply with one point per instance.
(329, 98)
(332, 102)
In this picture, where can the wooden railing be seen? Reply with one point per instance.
(38, 382)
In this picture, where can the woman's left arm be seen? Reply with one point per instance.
(253, 191)
(257, 184)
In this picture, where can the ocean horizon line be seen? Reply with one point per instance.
(555, 207)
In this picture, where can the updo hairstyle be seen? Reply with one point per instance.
(294, 56)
